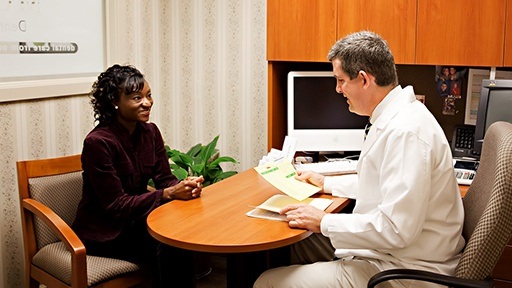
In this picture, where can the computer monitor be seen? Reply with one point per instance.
(318, 117)
(495, 105)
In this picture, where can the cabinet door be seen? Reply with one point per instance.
(394, 20)
(300, 30)
(508, 36)
(461, 32)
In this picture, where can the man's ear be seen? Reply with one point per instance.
(366, 78)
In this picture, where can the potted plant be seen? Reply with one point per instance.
(200, 160)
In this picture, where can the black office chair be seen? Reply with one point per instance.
(488, 218)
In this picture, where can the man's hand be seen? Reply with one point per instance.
(311, 177)
(303, 216)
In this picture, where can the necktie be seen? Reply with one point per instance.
(367, 129)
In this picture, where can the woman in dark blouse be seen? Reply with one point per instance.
(119, 156)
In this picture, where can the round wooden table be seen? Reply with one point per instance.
(216, 221)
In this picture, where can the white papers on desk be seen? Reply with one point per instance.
(282, 176)
(276, 155)
(271, 207)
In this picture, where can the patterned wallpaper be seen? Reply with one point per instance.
(205, 62)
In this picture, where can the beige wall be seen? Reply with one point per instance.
(205, 62)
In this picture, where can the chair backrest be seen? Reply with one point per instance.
(56, 183)
(488, 206)
(61, 193)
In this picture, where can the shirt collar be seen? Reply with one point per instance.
(393, 94)
(123, 131)
(391, 104)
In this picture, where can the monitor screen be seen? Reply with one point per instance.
(495, 105)
(318, 117)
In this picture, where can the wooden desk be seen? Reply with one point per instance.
(463, 190)
(216, 223)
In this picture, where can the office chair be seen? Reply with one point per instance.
(488, 218)
(49, 191)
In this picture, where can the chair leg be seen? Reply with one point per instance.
(32, 282)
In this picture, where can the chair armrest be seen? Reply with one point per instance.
(427, 276)
(62, 230)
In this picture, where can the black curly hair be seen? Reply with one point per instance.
(109, 86)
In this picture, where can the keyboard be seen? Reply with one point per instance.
(328, 168)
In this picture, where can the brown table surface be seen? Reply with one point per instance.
(216, 221)
(463, 190)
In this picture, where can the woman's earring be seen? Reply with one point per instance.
(116, 107)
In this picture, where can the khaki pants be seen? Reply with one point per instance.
(336, 273)
(318, 269)
(323, 272)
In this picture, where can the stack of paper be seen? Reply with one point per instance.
(282, 176)
(270, 208)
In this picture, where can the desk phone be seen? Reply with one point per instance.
(463, 140)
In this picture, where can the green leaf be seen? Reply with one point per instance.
(179, 172)
(195, 150)
(197, 169)
(168, 151)
(180, 158)
(224, 175)
(209, 149)
(213, 172)
(219, 160)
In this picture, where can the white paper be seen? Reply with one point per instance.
(282, 176)
(271, 207)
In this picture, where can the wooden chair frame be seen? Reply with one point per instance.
(30, 207)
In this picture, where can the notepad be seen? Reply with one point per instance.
(271, 207)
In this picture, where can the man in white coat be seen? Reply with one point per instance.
(408, 211)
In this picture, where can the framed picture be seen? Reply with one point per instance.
(449, 80)
(50, 48)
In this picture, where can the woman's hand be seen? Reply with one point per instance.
(189, 188)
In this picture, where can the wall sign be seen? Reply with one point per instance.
(50, 47)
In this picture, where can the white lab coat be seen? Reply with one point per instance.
(408, 209)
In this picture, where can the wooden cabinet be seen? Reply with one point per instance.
(300, 30)
(305, 30)
(508, 36)
(397, 25)
(425, 32)
(460, 32)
